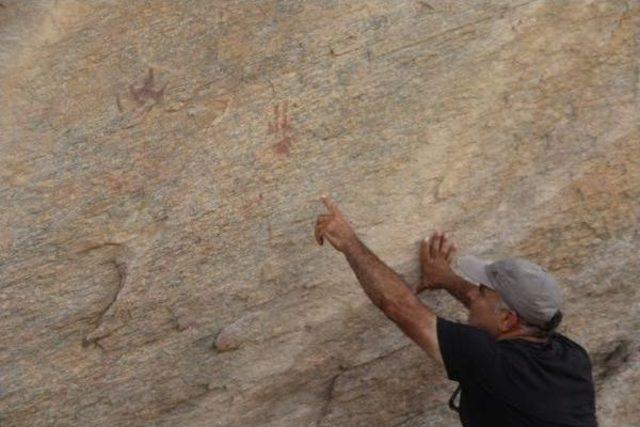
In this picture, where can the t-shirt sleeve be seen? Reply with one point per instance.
(467, 352)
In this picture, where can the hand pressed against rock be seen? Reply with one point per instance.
(436, 254)
(334, 227)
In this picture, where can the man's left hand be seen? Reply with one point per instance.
(334, 227)
(436, 255)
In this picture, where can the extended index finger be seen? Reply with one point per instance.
(330, 204)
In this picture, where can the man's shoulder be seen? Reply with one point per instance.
(560, 350)
(571, 345)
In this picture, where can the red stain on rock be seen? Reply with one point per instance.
(146, 91)
(281, 119)
(281, 128)
(284, 146)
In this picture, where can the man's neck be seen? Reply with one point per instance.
(522, 334)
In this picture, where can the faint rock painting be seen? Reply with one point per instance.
(280, 129)
(139, 100)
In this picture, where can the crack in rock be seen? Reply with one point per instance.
(101, 331)
(610, 362)
(345, 368)
(329, 397)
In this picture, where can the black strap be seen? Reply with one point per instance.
(452, 400)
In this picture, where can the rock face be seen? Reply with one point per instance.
(160, 166)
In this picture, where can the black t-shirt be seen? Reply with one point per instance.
(516, 382)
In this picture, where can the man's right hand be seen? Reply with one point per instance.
(436, 254)
(334, 227)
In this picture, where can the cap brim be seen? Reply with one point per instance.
(472, 269)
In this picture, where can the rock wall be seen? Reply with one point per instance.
(160, 165)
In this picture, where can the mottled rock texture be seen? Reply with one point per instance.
(160, 164)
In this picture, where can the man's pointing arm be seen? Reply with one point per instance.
(382, 285)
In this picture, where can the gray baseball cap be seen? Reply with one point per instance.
(525, 287)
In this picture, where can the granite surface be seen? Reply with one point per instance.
(160, 167)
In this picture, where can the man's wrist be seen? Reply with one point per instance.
(352, 245)
(447, 281)
(444, 282)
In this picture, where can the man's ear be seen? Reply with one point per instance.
(508, 320)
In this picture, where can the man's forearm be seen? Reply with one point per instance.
(456, 286)
(381, 284)
(459, 289)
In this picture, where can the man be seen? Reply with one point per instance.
(512, 367)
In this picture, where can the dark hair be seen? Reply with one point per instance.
(554, 322)
(548, 329)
